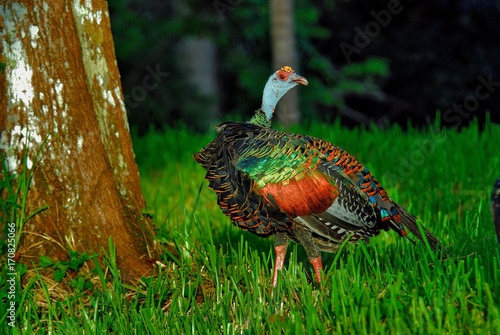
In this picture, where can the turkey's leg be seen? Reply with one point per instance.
(280, 246)
(318, 267)
(313, 252)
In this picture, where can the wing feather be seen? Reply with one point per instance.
(268, 181)
(297, 176)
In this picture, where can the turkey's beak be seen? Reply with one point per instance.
(300, 80)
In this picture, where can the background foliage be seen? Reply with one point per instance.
(427, 58)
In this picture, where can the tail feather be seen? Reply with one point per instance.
(410, 223)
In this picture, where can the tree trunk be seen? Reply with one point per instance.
(61, 85)
(284, 53)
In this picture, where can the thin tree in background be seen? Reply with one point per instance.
(284, 53)
(61, 100)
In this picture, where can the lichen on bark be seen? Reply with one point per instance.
(60, 98)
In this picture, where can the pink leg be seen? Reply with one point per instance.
(318, 267)
(280, 260)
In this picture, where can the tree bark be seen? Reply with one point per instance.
(284, 53)
(61, 85)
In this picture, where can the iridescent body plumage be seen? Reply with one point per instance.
(298, 187)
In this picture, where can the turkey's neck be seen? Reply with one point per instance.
(260, 119)
(270, 98)
(263, 116)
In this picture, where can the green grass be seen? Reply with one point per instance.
(217, 278)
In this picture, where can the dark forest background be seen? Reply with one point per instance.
(199, 62)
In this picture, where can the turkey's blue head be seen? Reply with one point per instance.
(276, 87)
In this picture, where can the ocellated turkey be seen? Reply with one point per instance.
(297, 187)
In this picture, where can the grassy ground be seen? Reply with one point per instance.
(218, 278)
